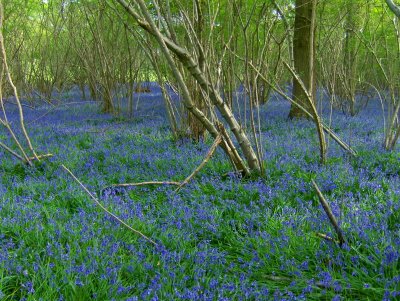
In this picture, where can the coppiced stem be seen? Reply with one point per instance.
(185, 58)
(14, 88)
(329, 213)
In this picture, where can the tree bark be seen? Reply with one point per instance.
(193, 68)
(304, 55)
(393, 7)
(197, 128)
(349, 57)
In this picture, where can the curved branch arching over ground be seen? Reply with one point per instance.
(393, 7)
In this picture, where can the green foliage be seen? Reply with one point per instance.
(85, 142)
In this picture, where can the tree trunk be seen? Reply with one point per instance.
(304, 55)
(192, 67)
(350, 58)
(198, 130)
(393, 7)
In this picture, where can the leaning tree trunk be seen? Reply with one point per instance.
(393, 7)
(393, 132)
(304, 55)
(184, 57)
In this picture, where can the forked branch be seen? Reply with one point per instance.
(210, 153)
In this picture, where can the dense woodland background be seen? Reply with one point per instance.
(275, 123)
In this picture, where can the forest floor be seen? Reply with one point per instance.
(219, 237)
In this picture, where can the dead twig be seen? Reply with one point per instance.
(25, 160)
(277, 278)
(212, 150)
(325, 127)
(105, 209)
(329, 213)
(5, 147)
(143, 184)
(287, 279)
(39, 157)
(327, 237)
(6, 70)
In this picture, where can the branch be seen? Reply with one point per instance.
(39, 157)
(212, 150)
(105, 209)
(393, 7)
(22, 104)
(328, 212)
(287, 279)
(326, 128)
(143, 184)
(5, 147)
(326, 237)
(213, 147)
(14, 88)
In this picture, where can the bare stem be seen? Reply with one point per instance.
(327, 237)
(40, 157)
(144, 184)
(105, 209)
(212, 150)
(329, 213)
(11, 151)
(8, 74)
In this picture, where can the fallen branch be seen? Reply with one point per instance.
(26, 160)
(327, 237)
(39, 157)
(6, 70)
(5, 147)
(212, 150)
(101, 131)
(277, 278)
(318, 284)
(105, 209)
(329, 212)
(144, 184)
(6, 124)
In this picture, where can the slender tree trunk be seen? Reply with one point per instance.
(192, 67)
(393, 7)
(350, 58)
(304, 55)
(197, 128)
